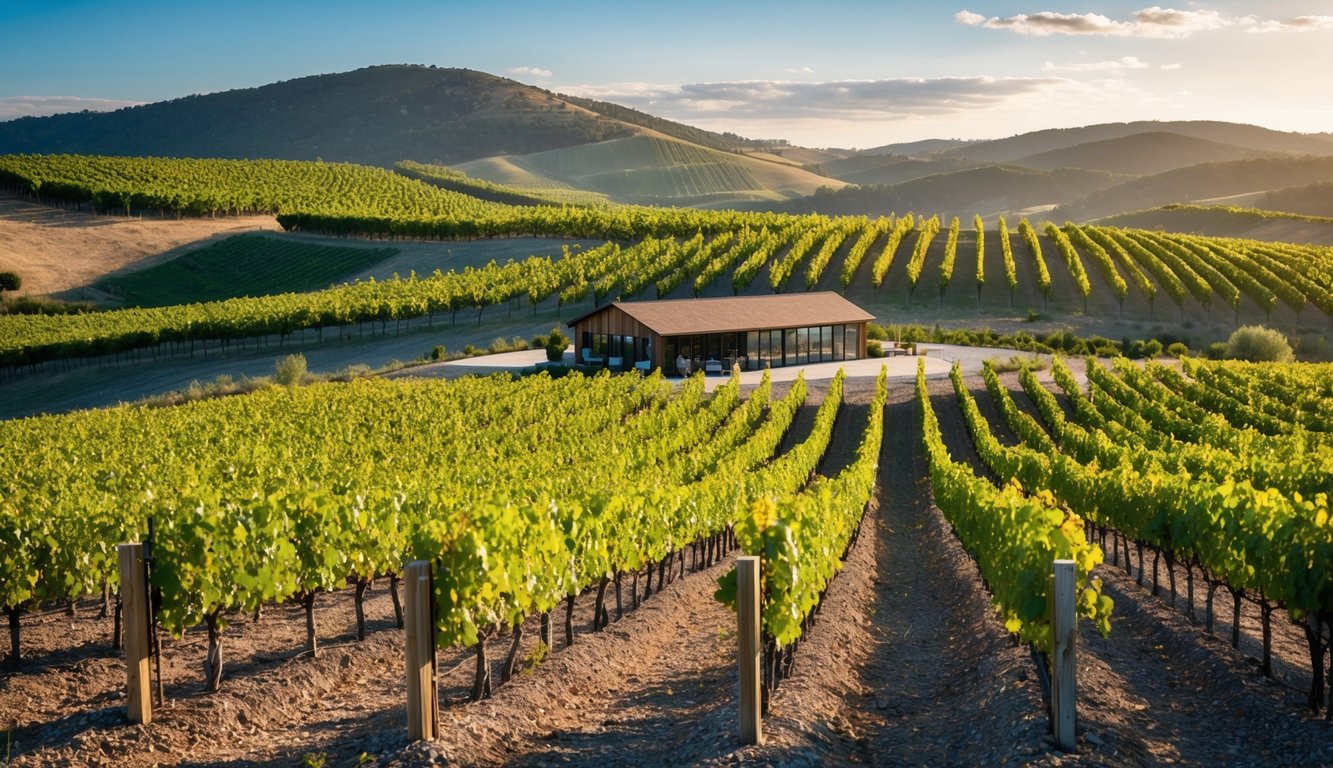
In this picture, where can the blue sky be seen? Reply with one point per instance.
(826, 74)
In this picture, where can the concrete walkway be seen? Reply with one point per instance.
(938, 359)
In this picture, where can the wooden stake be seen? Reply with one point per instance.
(1064, 638)
(134, 598)
(422, 702)
(747, 613)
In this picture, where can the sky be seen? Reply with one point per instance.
(830, 74)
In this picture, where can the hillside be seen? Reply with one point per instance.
(651, 170)
(989, 190)
(1206, 181)
(376, 116)
(1141, 153)
(1248, 136)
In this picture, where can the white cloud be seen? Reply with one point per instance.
(12, 107)
(834, 100)
(536, 72)
(799, 71)
(1114, 65)
(1153, 22)
(1170, 67)
(1297, 24)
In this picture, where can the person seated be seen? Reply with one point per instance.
(682, 365)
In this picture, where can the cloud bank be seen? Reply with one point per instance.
(833, 100)
(12, 107)
(1153, 22)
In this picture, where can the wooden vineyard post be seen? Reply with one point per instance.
(747, 613)
(134, 599)
(1064, 639)
(422, 703)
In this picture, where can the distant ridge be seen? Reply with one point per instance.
(1248, 136)
(376, 116)
(1140, 153)
(1205, 181)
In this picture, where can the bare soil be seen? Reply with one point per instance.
(906, 665)
(56, 250)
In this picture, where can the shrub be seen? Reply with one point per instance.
(499, 345)
(874, 348)
(1016, 363)
(10, 281)
(1177, 349)
(876, 332)
(555, 345)
(1259, 344)
(290, 370)
(439, 352)
(1216, 351)
(1152, 349)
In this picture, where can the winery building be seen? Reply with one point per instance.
(753, 332)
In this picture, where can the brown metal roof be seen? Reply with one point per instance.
(674, 317)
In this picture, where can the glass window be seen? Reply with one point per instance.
(853, 343)
(839, 332)
(802, 345)
(789, 346)
(826, 343)
(752, 349)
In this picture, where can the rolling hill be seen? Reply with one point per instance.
(1310, 200)
(1248, 136)
(988, 191)
(1140, 153)
(1222, 221)
(375, 116)
(890, 169)
(651, 169)
(1205, 181)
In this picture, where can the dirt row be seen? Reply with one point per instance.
(907, 665)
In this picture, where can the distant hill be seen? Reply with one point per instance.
(1140, 153)
(377, 116)
(651, 170)
(1225, 221)
(1311, 199)
(1207, 181)
(916, 148)
(988, 190)
(890, 169)
(1247, 136)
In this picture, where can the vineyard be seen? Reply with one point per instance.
(570, 503)
(244, 265)
(1084, 269)
(916, 543)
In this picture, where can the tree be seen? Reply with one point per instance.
(10, 281)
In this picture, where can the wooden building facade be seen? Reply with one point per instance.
(753, 332)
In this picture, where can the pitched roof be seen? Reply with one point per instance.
(674, 317)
